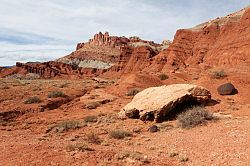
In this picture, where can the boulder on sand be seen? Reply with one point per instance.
(155, 103)
(226, 89)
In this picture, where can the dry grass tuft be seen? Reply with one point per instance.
(32, 100)
(56, 94)
(66, 126)
(79, 146)
(91, 118)
(193, 117)
(219, 74)
(119, 134)
(93, 138)
(133, 92)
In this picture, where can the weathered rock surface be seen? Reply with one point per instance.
(226, 89)
(114, 53)
(153, 129)
(51, 69)
(156, 103)
(222, 41)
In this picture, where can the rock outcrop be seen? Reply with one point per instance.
(226, 89)
(114, 53)
(56, 69)
(156, 103)
(223, 41)
(220, 42)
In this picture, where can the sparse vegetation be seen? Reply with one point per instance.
(79, 146)
(93, 105)
(163, 77)
(134, 155)
(32, 100)
(133, 92)
(219, 74)
(66, 126)
(173, 154)
(119, 134)
(56, 94)
(193, 117)
(183, 158)
(93, 138)
(90, 118)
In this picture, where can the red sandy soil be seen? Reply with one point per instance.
(24, 139)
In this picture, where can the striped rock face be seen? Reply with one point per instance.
(156, 103)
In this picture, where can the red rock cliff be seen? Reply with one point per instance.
(223, 41)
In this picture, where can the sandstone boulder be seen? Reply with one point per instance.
(226, 89)
(156, 103)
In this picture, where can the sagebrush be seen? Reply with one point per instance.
(193, 117)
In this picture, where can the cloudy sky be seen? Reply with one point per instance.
(41, 30)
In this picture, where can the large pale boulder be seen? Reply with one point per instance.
(156, 102)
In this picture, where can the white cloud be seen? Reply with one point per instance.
(63, 23)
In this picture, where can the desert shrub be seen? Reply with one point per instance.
(173, 154)
(134, 155)
(79, 146)
(119, 134)
(183, 158)
(56, 94)
(93, 105)
(163, 76)
(193, 117)
(32, 100)
(93, 138)
(133, 92)
(219, 74)
(90, 118)
(66, 126)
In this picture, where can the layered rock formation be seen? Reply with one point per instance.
(113, 53)
(220, 42)
(56, 69)
(223, 41)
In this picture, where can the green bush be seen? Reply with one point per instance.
(193, 117)
(56, 94)
(32, 100)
